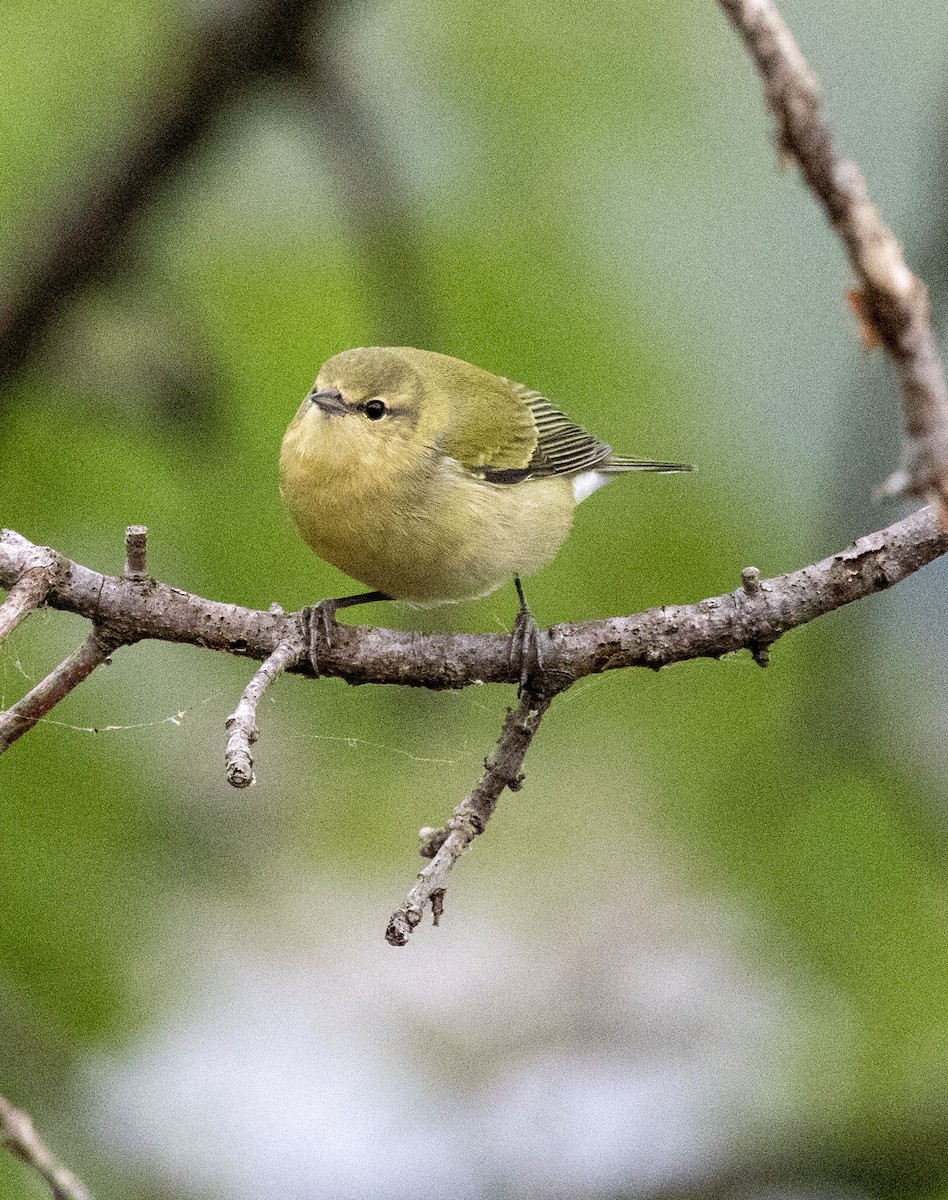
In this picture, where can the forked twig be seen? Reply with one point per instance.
(445, 846)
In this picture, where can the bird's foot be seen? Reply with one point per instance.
(526, 653)
(319, 621)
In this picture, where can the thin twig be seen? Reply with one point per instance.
(242, 722)
(19, 1136)
(23, 715)
(136, 552)
(891, 299)
(30, 589)
(445, 846)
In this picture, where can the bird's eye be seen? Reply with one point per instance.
(375, 410)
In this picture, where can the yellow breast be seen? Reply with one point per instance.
(406, 520)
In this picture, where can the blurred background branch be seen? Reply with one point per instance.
(85, 241)
(18, 1134)
(375, 202)
(81, 244)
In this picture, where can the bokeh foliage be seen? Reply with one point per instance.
(587, 203)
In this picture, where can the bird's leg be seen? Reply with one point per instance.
(525, 652)
(320, 619)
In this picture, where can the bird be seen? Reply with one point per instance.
(431, 480)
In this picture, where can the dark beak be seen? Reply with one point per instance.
(329, 400)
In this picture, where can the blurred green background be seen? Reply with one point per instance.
(704, 951)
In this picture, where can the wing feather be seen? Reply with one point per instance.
(531, 439)
(563, 447)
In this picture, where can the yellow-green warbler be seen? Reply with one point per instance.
(429, 479)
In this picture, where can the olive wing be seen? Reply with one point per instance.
(561, 447)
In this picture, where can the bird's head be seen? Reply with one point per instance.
(363, 410)
(375, 385)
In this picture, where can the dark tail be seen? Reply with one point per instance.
(618, 462)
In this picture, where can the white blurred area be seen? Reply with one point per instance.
(625, 1050)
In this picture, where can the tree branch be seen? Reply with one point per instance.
(131, 607)
(23, 715)
(19, 1136)
(445, 846)
(129, 610)
(242, 722)
(29, 590)
(892, 300)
